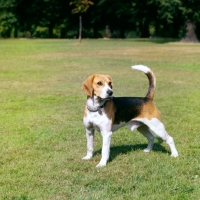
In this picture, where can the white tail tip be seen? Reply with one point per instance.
(142, 68)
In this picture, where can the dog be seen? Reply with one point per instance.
(106, 113)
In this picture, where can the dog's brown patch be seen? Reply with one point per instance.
(87, 85)
(85, 111)
(149, 111)
(109, 110)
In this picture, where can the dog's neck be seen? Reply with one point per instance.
(94, 103)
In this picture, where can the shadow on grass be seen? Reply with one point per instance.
(125, 149)
(158, 40)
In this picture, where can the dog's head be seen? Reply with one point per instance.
(99, 85)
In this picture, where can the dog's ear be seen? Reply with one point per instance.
(87, 85)
(110, 80)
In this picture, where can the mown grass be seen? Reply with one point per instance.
(42, 137)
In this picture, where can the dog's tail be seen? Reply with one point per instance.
(151, 77)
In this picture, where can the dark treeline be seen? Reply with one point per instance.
(100, 18)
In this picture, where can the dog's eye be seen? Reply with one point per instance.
(100, 83)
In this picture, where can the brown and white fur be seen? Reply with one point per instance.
(106, 114)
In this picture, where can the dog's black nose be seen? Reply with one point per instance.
(109, 92)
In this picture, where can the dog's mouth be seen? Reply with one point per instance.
(107, 98)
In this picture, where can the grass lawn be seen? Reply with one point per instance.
(42, 137)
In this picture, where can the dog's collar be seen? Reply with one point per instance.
(95, 109)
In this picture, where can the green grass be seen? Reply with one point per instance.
(42, 137)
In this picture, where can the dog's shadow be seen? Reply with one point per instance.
(124, 149)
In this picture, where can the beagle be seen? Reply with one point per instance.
(106, 114)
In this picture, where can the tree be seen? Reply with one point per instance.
(50, 18)
(40, 14)
(162, 15)
(191, 15)
(115, 16)
(8, 18)
(81, 6)
(168, 17)
(189, 34)
(46, 14)
(144, 13)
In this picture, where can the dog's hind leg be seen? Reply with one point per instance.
(158, 128)
(150, 137)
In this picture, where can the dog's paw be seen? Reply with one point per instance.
(101, 164)
(87, 158)
(174, 154)
(147, 150)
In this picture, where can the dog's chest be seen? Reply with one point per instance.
(97, 120)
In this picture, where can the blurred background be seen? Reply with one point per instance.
(100, 19)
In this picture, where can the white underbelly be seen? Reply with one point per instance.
(117, 126)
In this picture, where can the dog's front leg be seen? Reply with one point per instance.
(106, 136)
(90, 144)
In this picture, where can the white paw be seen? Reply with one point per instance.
(174, 154)
(101, 165)
(147, 150)
(87, 158)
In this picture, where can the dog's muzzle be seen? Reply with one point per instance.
(110, 92)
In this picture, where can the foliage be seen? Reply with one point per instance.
(115, 15)
(167, 9)
(191, 10)
(167, 17)
(8, 18)
(81, 5)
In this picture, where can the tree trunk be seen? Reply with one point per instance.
(143, 29)
(107, 32)
(189, 34)
(15, 31)
(80, 29)
(51, 30)
(122, 32)
(95, 31)
(62, 33)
